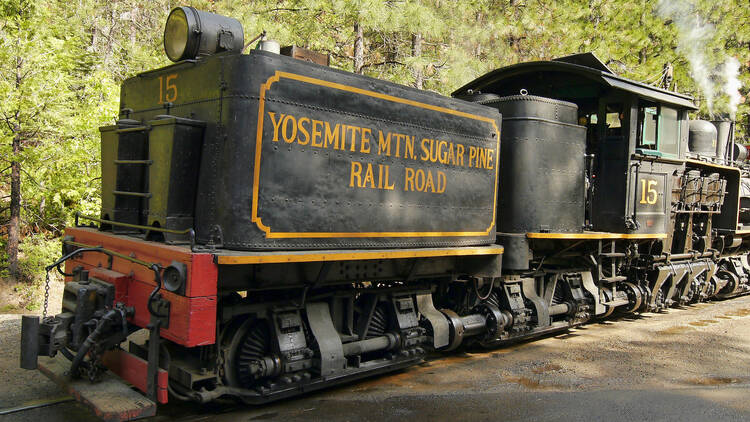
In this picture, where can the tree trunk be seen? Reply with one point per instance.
(359, 49)
(416, 51)
(14, 226)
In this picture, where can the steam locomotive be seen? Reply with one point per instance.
(275, 226)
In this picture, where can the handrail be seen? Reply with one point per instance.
(190, 232)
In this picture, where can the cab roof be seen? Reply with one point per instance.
(571, 77)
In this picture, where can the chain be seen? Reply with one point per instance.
(46, 297)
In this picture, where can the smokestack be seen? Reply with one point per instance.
(724, 154)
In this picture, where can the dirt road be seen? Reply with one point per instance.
(688, 364)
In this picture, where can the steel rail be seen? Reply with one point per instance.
(35, 405)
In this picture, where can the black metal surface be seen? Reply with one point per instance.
(542, 166)
(648, 199)
(311, 197)
(29, 341)
(174, 147)
(517, 253)
(152, 370)
(531, 106)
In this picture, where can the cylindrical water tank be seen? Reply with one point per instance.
(702, 138)
(541, 165)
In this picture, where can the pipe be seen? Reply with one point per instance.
(90, 340)
(684, 256)
(561, 308)
(474, 324)
(384, 342)
(32, 406)
(152, 297)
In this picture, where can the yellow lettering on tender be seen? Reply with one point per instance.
(425, 151)
(332, 136)
(424, 181)
(384, 144)
(303, 130)
(482, 161)
(419, 180)
(285, 124)
(276, 124)
(442, 182)
(450, 156)
(387, 173)
(433, 151)
(342, 145)
(429, 184)
(354, 130)
(369, 177)
(356, 171)
(472, 155)
(364, 145)
(409, 179)
(442, 157)
(409, 147)
(317, 128)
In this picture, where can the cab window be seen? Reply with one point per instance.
(669, 131)
(614, 120)
(649, 116)
(659, 129)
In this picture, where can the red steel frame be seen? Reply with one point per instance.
(192, 317)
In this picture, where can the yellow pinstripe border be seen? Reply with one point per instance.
(271, 258)
(354, 256)
(705, 163)
(259, 143)
(596, 235)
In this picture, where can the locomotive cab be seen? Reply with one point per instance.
(630, 129)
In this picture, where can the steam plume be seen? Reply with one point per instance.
(694, 35)
(732, 85)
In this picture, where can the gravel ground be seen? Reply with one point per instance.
(687, 364)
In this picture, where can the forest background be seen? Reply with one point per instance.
(62, 61)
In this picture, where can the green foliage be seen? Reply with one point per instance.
(37, 252)
(3, 258)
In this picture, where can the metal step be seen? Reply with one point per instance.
(128, 193)
(111, 399)
(141, 162)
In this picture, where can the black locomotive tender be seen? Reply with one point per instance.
(353, 224)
